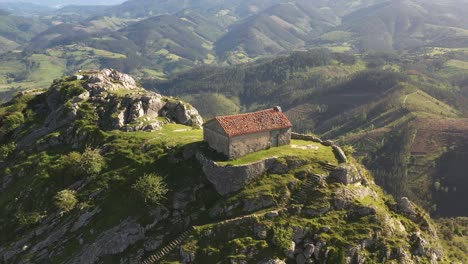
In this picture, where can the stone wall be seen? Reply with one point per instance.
(284, 137)
(229, 179)
(245, 144)
(216, 140)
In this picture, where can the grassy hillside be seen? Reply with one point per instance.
(80, 192)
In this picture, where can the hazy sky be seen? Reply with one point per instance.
(55, 3)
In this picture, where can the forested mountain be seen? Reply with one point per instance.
(401, 25)
(15, 31)
(279, 28)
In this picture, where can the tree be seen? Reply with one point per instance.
(151, 188)
(66, 200)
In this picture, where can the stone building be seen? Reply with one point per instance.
(238, 135)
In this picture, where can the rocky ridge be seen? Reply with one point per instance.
(117, 99)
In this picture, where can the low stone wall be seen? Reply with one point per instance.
(305, 137)
(339, 153)
(228, 179)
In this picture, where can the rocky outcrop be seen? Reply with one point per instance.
(118, 101)
(347, 174)
(113, 241)
(109, 80)
(182, 113)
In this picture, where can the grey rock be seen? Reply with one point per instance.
(260, 231)
(187, 256)
(82, 97)
(309, 250)
(313, 212)
(153, 243)
(182, 113)
(362, 211)
(110, 242)
(110, 80)
(261, 202)
(419, 245)
(300, 259)
(289, 252)
(84, 219)
(182, 199)
(300, 234)
(407, 208)
(272, 214)
(339, 153)
(346, 174)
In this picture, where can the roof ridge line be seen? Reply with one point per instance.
(249, 113)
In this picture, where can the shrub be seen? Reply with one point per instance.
(151, 188)
(66, 200)
(349, 150)
(12, 121)
(6, 150)
(90, 163)
(28, 219)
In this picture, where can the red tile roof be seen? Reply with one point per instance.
(271, 119)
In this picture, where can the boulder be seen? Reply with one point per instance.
(347, 174)
(260, 231)
(407, 208)
(182, 113)
(187, 256)
(289, 252)
(309, 250)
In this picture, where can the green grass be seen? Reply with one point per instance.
(323, 153)
(170, 134)
(420, 101)
(457, 64)
(333, 36)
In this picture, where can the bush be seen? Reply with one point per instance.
(151, 188)
(66, 200)
(28, 219)
(12, 121)
(349, 150)
(6, 150)
(90, 163)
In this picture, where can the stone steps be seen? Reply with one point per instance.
(307, 187)
(328, 166)
(181, 238)
(169, 247)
